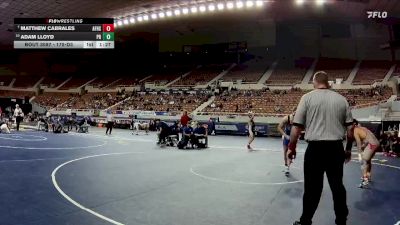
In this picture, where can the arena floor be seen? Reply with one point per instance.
(88, 179)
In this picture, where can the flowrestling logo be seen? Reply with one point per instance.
(398, 223)
(377, 14)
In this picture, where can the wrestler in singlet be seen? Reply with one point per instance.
(140, 126)
(288, 128)
(285, 127)
(252, 129)
(367, 145)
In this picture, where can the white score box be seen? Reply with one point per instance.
(104, 44)
(89, 44)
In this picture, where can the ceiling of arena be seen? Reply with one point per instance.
(9, 9)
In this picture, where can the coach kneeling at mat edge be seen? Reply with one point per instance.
(324, 114)
(164, 131)
(200, 133)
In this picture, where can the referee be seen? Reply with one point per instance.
(19, 115)
(325, 115)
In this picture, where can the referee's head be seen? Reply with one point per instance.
(320, 80)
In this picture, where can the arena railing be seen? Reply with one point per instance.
(241, 114)
(368, 104)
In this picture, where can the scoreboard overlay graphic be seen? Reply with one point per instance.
(82, 33)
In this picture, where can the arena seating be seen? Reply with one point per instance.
(8, 70)
(286, 76)
(359, 97)
(75, 82)
(103, 81)
(164, 77)
(279, 102)
(16, 94)
(249, 72)
(75, 101)
(202, 75)
(26, 81)
(262, 102)
(283, 75)
(6, 80)
(98, 100)
(396, 72)
(371, 71)
(336, 68)
(127, 81)
(54, 99)
(166, 102)
(257, 101)
(54, 81)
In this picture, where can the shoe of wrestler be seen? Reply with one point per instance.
(364, 184)
(287, 172)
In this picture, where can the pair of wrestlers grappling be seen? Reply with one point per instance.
(367, 145)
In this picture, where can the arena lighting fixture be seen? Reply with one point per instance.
(299, 2)
(193, 9)
(239, 4)
(202, 8)
(319, 2)
(249, 4)
(211, 7)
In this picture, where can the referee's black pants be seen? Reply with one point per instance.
(18, 120)
(324, 157)
(109, 127)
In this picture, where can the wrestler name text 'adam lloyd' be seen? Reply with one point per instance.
(377, 14)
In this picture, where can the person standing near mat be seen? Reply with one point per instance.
(284, 127)
(110, 122)
(252, 129)
(185, 119)
(325, 115)
(19, 115)
(367, 145)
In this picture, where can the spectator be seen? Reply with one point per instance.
(396, 142)
(383, 140)
(185, 119)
